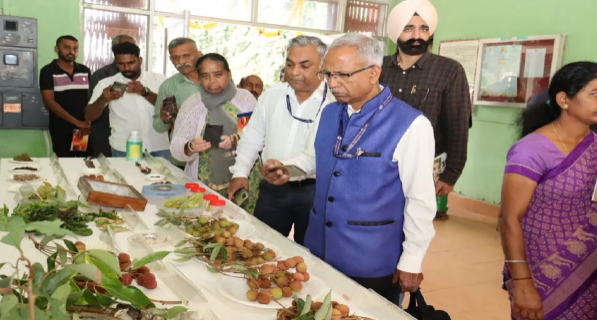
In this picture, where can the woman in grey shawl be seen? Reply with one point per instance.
(218, 102)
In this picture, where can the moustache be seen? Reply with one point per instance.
(295, 78)
(183, 65)
(411, 42)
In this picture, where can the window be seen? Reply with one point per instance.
(99, 29)
(249, 50)
(365, 16)
(223, 9)
(312, 14)
(135, 4)
(253, 41)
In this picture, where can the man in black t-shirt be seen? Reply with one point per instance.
(64, 86)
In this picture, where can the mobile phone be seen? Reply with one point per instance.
(241, 196)
(213, 134)
(118, 86)
(293, 171)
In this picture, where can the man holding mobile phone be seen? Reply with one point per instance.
(278, 129)
(130, 95)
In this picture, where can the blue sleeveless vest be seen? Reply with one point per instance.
(356, 224)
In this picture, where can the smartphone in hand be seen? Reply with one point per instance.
(118, 86)
(213, 134)
(241, 196)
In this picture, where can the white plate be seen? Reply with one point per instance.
(25, 162)
(16, 188)
(236, 289)
(32, 165)
(12, 178)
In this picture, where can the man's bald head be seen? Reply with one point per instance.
(252, 83)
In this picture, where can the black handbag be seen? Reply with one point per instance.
(419, 309)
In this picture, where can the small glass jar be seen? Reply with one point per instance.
(217, 206)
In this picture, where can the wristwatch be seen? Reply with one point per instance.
(146, 91)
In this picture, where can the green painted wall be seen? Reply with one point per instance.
(54, 18)
(493, 131)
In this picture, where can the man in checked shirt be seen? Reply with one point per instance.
(435, 85)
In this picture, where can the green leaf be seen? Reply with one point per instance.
(107, 259)
(155, 256)
(61, 254)
(211, 269)
(185, 250)
(108, 276)
(306, 316)
(39, 315)
(8, 302)
(4, 219)
(211, 246)
(90, 298)
(168, 313)
(185, 258)
(88, 270)
(38, 274)
(46, 240)
(239, 267)
(182, 242)
(214, 253)
(16, 232)
(74, 298)
(61, 293)
(76, 316)
(104, 300)
(306, 306)
(49, 228)
(57, 309)
(51, 261)
(326, 308)
(56, 280)
(71, 246)
(131, 294)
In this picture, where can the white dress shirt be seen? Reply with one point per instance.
(414, 155)
(133, 112)
(274, 131)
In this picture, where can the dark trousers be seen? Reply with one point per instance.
(382, 285)
(282, 206)
(61, 143)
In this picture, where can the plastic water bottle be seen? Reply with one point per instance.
(134, 147)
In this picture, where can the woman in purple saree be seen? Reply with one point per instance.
(548, 218)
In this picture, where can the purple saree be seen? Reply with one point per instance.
(560, 229)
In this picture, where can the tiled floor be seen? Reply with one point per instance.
(463, 268)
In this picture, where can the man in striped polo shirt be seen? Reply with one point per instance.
(64, 86)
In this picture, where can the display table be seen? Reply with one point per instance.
(188, 281)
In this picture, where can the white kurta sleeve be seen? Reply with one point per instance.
(415, 154)
(252, 140)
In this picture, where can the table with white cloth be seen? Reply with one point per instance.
(189, 281)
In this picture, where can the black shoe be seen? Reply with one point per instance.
(441, 215)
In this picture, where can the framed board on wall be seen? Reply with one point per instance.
(466, 52)
(512, 70)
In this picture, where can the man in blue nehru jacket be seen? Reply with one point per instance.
(372, 217)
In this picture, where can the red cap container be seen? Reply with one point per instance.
(197, 190)
(217, 203)
(191, 185)
(211, 196)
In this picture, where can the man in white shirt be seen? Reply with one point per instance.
(372, 217)
(131, 110)
(279, 128)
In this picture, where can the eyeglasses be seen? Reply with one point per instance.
(339, 76)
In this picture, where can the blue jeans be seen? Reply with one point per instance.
(162, 153)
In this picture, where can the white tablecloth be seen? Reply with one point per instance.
(191, 281)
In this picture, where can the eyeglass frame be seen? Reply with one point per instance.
(344, 76)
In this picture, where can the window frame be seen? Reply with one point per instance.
(151, 13)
